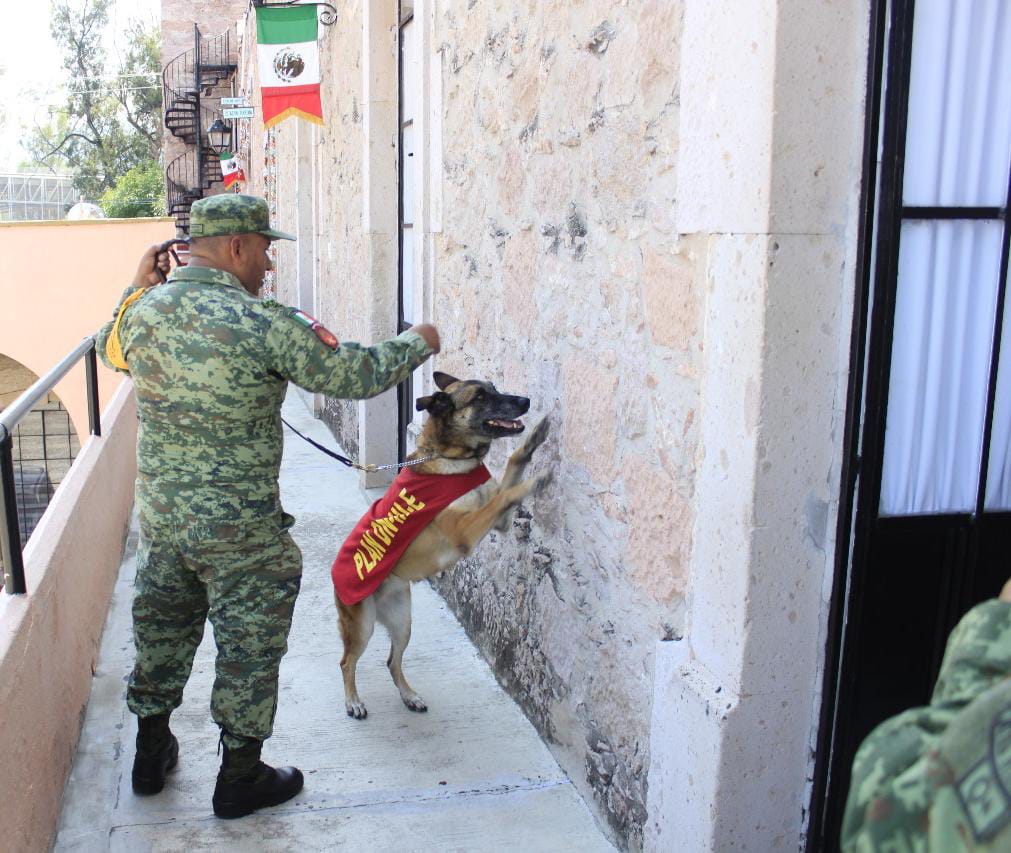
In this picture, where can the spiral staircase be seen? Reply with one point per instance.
(192, 84)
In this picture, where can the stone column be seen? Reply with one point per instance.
(377, 418)
(769, 164)
(305, 225)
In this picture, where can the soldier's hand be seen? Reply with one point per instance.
(1005, 594)
(429, 333)
(150, 262)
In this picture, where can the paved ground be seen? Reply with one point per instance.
(470, 775)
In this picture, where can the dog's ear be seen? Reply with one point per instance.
(443, 380)
(438, 404)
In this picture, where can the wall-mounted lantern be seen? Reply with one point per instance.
(219, 136)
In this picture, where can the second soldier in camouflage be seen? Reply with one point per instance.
(938, 778)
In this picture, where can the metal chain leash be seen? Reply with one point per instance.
(368, 468)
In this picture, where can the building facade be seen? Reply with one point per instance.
(660, 221)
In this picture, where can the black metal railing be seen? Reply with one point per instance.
(10, 530)
(186, 179)
(193, 73)
(186, 81)
(45, 447)
(182, 97)
(216, 65)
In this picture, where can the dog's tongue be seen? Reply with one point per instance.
(506, 424)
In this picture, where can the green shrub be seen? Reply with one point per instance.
(140, 192)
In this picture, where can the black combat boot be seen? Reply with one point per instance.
(157, 754)
(246, 784)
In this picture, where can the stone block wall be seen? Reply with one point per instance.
(558, 276)
(212, 16)
(561, 278)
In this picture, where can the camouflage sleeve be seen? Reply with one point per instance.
(102, 337)
(349, 370)
(890, 787)
(978, 654)
(895, 776)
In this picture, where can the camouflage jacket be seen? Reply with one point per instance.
(210, 365)
(939, 778)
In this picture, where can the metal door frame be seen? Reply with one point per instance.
(405, 391)
(881, 216)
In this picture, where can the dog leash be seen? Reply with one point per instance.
(369, 468)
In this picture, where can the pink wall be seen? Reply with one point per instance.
(49, 638)
(59, 281)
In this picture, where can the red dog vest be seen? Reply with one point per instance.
(369, 554)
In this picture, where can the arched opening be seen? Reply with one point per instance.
(45, 445)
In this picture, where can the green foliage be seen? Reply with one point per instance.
(140, 192)
(139, 92)
(111, 120)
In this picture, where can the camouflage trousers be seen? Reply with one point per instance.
(244, 574)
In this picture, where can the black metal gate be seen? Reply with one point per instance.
(904, 576)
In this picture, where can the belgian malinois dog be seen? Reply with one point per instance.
(464, 418)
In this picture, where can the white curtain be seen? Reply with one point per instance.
(944, 313)
(958, 138)
(958, 150)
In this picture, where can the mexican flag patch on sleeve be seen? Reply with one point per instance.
(325, 336)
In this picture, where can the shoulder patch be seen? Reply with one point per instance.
(325, 336)
(985, 789)
(302, 317)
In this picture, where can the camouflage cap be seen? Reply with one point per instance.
(228, 213)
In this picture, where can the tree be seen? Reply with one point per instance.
(139, 93)
(140, 192)
(110, 123)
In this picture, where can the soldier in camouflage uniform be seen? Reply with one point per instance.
(210, 363)
(939, 778)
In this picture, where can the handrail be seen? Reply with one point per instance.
(10, 532)
(181, 78)
(184, 184)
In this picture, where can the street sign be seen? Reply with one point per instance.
(238, 112)
(235, 102)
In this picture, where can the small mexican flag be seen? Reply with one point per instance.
(231, 169)
(289, 63)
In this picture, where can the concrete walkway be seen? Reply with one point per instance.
(469, 775)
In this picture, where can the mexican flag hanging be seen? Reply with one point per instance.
(289, 63)
(231, 169)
